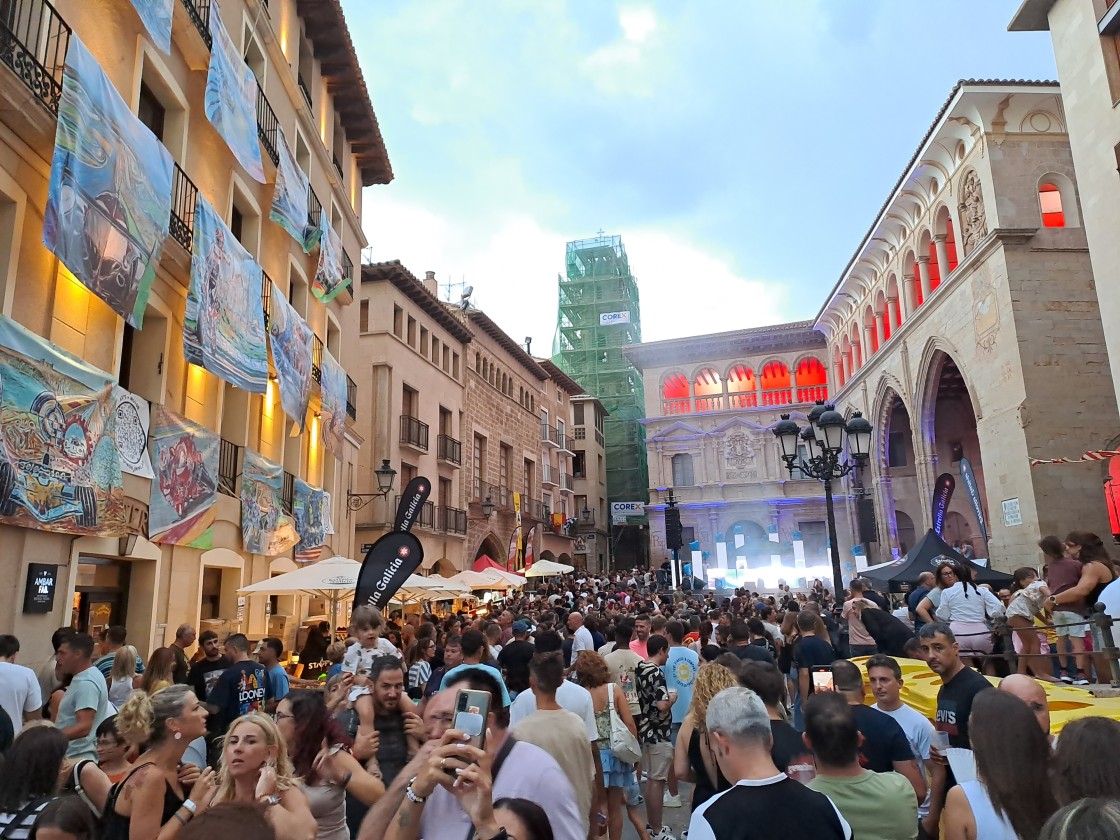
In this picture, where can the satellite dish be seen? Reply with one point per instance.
(467, 292)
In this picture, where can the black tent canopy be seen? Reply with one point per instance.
(902, 574)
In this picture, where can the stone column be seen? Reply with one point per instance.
(942, 255)
(838, 368)
(894, 312)
(868, 341)
(923, 274)
(881, 325)
(909, 298)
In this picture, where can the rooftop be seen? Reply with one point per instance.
(776, 337)
(487, 325)
(413, 288)
(562, 379)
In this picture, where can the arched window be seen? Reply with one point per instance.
(742, 387)
(477, 363)
(1050, 203)
(675, 397)
(682, 471)
(708, 390)
(776, 384)
(812, 381)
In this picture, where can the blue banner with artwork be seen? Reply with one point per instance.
(311, 508)
(265, 527)
(156, 15)
(333, 411)
(185, 460)
(109, 199)
(59, 469)
(329, 280)
(230, 100)
(223, 327)
(289, 200)
(291, 339)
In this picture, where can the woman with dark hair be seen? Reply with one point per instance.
(314, 653)
(160, 672)
(29, 776)
(1011, 798)
(1084, 763)
(419, 665)
(967, 608)
(65, 818)
(321, 757)
(1097, 572)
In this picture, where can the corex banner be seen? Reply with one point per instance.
(942, 494)
(395, 555)
(265, 528)
(185, 460)
(59, 469)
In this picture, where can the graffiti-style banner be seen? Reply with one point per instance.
(332, 415)
(289, 200)
(328, 280)
(109, 198)
(156, 15)
(265, 527)
(311, 508)
(133, 419)
(290, 338)
(59, 469)
(185, 459)
(223, 326)
(230, 100)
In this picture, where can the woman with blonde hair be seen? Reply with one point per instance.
(256, 768)
(693, 758)
(122, 676)
(151, 803)
(160, 672)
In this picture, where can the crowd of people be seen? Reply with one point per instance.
(572, 710)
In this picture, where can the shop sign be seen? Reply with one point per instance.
(42, 580)
(606, 319)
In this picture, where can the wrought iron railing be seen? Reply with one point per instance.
(414, 433)
(184, 197)
(33, 43)
(306, 91)
(199, 13)
(548, 475)
(288, 492)
(351, 398)
(451, 520)
(317, 359)
(268, 126)
(565, 481)
(449, 449)
(347, 266)
(533, 509)
(337, 165)
(426, 518)
(314, 208)
(266, 297)
(229, 467)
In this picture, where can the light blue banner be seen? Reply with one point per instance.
(156, 15)
(231, 98)
(333, 413)
(291, 339)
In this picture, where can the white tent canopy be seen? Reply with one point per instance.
(547, 568)
(479, 580)
(334, 579)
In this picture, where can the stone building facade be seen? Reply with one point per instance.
(966, 328)
(557, 464)
(589, 475)
(711, 401)
(325, 113)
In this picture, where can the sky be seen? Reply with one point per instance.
(741, 148)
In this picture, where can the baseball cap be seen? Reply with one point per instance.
(521, 627)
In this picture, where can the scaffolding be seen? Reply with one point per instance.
(599, 314)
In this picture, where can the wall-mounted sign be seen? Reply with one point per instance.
(42, 580)
(1012, 515)
(606, 319)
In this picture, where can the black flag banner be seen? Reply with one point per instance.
(395, 555)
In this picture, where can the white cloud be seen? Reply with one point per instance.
(627, 66)
(637, 24)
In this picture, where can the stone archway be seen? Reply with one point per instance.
(492, 549)
(901, 498)
(749, 542)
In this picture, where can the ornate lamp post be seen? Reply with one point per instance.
(823, 439)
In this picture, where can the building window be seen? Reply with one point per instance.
(478, 464)
(579, 464)
(577, 414)
(423, 341)
(410, 402)
(150, 111)
(411, 332)
(504, 453)
(363, 316)
(1050, 202)
(455, 365)
(682, 471)
(896, 449)
(528, 477)
(398, 321)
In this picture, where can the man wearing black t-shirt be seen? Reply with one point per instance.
(514, 659)
(789, 752)
(205, 672)
(809, 651)
(763, 800)
(959, 684)
(242, 688)
(741, 644)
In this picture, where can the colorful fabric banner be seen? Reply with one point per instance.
(231, 98)
(156, 15)
(223, 327)
(290, 338)
(530, 548)
(58, 457)
(1092, 455)
(328, 280)
(133, 419)
(332, 415)
(265, 528)
(311, 508)
(109, 198)
(185, 457)
(289, 201)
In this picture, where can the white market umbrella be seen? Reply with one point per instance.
(511, 578)
(335, 579)
(478, 580)
(547, 568)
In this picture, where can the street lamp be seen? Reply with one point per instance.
(823, 440)
(488, 507)
(385, 475)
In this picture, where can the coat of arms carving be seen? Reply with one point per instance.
(739, 451)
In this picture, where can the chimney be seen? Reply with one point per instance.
(430, 283)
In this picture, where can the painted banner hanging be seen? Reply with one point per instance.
(329, 280)
(231, 98)
(529, 554)
(289, 200)
(265, 527)
(156, 15)
(109, 198)
(58, 457)
(332, 415)
(514, 558)
(223, 327)
(311, 508)
(133, 419)
(185, 457)
(290, 338)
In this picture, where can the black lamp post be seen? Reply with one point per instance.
(823, 439)
(385, 475)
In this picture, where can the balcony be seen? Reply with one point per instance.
(33, 43)
(288, 493)
(306, 91)
(199, 13)
(268, 127)
(451, 520)
(317, 359)
(450, 450)
(812, 393)
(229, 467)
(564, 444)
(548, 436)
(314, 208)
(534, 510)
(351, 399)
(549, 476)
(426, 518)
(587, 518)
(565, 483)
(337, 166)
(501, 497)
(184, 199)
(347, 266)
(414, 434)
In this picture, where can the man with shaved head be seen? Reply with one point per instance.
(1031, 692)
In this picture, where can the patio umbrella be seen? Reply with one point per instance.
(512, 578)
(479, 580)
(547, 568)
(334, 579)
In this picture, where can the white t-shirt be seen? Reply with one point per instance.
(918, 731)
(19, 692)
(574, 698)
(582, 640)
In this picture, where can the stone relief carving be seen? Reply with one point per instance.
(974, 222)
(985, 310)
(739, 456)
